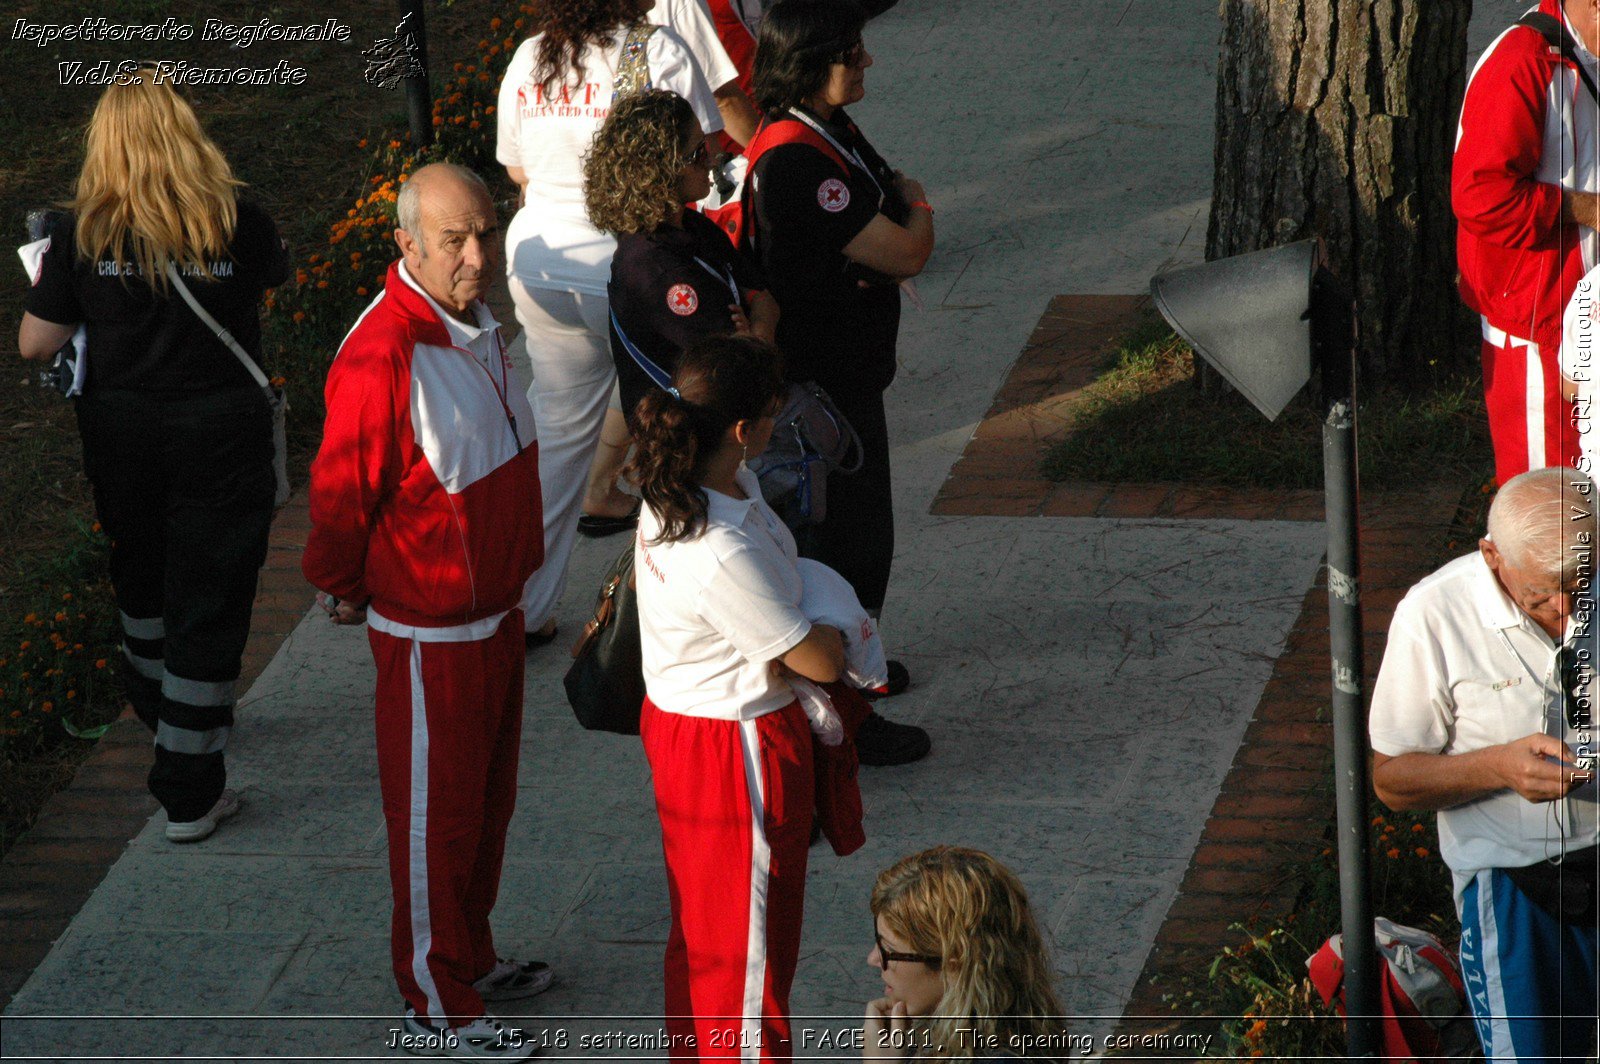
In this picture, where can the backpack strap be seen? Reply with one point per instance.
(633, 70)
(790, 131)
(1560, 41)
(661, 377)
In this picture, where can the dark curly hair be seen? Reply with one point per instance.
(721, 380)
(632, 172)
(567, 26)
(799, 41)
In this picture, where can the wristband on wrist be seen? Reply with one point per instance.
(925, 205)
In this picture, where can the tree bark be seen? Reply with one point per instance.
(1336, 119)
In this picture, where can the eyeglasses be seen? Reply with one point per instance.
(885, 955)
(854, 56)
(701, 156)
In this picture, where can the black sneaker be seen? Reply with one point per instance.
(899, 680)
(883, 742)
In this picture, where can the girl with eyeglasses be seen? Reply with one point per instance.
(965, 970)
(676, 277)
(730, 748)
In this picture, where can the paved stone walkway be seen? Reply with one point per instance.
(1088, 679)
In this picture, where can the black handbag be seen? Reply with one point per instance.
(605, 684)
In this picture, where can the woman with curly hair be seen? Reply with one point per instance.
(965, 971)
(676, 277)
(584, 56)
(729, 746)
(177, 435)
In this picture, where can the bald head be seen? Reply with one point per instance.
(449, 236)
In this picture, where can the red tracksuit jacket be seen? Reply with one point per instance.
(1518, 263)
(425, 492)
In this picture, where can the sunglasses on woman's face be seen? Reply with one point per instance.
(854, 56)
(701, 156)
(885, 955)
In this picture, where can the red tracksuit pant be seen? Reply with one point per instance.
(1530, 424)
(449, 720)
(735, 800)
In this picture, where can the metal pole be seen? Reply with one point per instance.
(1332, 338)
(419, 100)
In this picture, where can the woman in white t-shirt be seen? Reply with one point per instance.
(557, 90)
(729, 746)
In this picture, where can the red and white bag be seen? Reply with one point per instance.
(1421, 994)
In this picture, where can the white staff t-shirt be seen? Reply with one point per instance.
(550, 243)
(691, 20)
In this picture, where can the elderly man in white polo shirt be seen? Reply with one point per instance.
(1481, 712)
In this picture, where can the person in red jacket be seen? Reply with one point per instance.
(425, 515)
(1523, 187)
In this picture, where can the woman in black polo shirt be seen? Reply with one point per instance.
(676, 277)
(177, 435)
(835, 231)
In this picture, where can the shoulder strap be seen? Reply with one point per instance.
(633, 72)
(1556, 36)
(662, 378)
(790, 131)
(211, 323)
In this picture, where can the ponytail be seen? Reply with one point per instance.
(719, 382)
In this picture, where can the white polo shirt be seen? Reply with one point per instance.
(1466, 669)
(715, 611)
(692, 21)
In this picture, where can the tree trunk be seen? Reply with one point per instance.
(1336, 119)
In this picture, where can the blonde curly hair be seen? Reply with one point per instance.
(633, 169)
(970, 911)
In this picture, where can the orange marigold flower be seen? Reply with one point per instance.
(1422, 851)
(395, 145)
(362, 143)
(520, 23)
(314, 256)
(66, 596)
(457, 68)
(30, 618)
(99, 663)
(71, 695)
(25, 644)
(1394, 853)
(402, 178)
(474, 124)
(438, 120)
(361, 291)
(299, 316)
(95, 527)
(1416, 828)
(322, 284)
(489, 110)
(495, 23)
(47, 707)
(300, 277)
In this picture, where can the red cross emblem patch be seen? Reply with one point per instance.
(833, 195)
(682, 300)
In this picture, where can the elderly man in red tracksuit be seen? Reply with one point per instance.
(1523, 187)
(425, 516)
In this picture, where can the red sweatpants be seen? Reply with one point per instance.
(449, 720)
(735, 800)
(1530, 424)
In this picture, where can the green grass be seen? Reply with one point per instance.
(1144, 420)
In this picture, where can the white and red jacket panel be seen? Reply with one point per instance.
(425, 492)
(1527, 130)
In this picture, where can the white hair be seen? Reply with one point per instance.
(408, 205)
(1537, 517)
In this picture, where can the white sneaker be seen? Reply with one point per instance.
(195, 830)
(485, 1038)
(515, 980)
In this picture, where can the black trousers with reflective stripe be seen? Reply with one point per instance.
(183, 485)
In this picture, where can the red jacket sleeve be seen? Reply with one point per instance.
(1493, 190)
(359, 466)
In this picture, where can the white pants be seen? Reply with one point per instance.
(569, 348)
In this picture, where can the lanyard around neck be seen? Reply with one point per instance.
(848, 153)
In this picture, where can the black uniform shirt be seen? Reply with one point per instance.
(665, 299)
(833, 329)
(142, 340)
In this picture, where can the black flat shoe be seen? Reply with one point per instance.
(596, 527)
(539, 639)
(883, 742)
